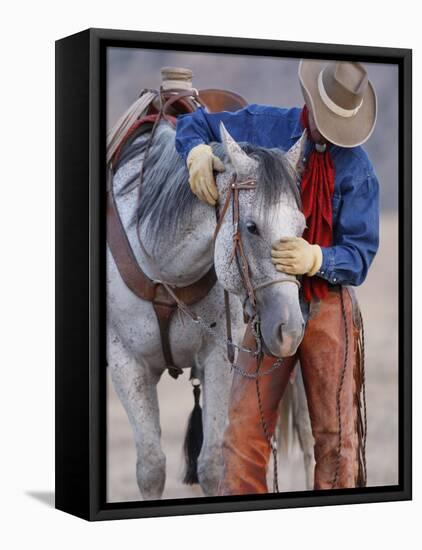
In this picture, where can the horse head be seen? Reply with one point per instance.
(268, 211)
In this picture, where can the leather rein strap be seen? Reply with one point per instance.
(238, 251)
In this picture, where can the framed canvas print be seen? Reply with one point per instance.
(233, 274)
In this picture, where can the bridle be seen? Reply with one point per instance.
(238, 251)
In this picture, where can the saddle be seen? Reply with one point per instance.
(167, 105)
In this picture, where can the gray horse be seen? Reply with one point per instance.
(176, 230)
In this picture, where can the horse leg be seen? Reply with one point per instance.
(215, 376)
(136, 386)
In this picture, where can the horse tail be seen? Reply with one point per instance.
(193, 438)
(285, 426)
(294, 425)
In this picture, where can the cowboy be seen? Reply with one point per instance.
(339, 192)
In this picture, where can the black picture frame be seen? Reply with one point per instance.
(81, 281)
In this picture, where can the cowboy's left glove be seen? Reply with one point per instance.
(295, 256)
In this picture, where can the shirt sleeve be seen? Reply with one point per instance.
(356, 236)
(201, 127)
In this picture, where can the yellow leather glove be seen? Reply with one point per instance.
(295, 256)
(201, 163)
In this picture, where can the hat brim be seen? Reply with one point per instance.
(339, 130)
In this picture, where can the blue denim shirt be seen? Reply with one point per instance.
(356, 192)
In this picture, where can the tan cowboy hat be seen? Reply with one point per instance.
(342, 100)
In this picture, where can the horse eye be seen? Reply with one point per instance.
(252, 228)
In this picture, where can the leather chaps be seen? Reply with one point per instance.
(246, 450)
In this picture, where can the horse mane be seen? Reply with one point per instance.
(166, 198)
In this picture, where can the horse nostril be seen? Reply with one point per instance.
(281, 330)
(285, 334)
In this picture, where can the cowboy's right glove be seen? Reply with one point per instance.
(295, 256)
(201, 163)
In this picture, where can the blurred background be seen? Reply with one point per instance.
(273, 81)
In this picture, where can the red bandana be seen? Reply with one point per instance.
(317, 188)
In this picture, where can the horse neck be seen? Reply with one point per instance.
(180, 258)
(184, 256)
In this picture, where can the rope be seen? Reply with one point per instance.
(271, 441)
(340, 389)
(365, 419)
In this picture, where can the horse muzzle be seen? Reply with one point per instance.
(281, 320)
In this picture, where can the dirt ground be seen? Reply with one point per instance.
(379, 303)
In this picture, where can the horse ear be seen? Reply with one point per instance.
(295, 154)
(242, 163)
